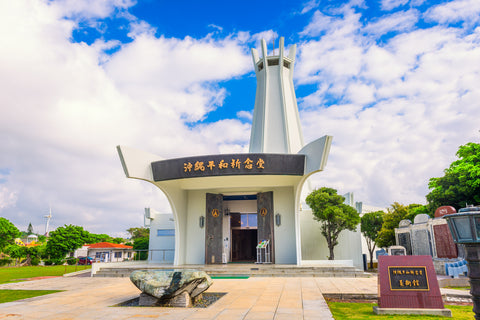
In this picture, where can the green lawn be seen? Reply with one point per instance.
(14, 274)
(12, 295)
(11, 274)
(344, 310)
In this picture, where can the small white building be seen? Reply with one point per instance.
(162, 236)
(109, 252)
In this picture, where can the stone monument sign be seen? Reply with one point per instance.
(408, 285)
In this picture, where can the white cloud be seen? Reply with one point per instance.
(248, 115)
(398, 21)
(91, 9)
(67, 106)
(310, 5)
(7, 197)
(466, 11)
(392, 4)
(426, 105)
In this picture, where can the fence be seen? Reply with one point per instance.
(157, 255)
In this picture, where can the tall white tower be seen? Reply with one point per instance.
(276, 124)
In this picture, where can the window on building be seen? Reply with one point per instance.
(165, 232)
(118, 254)
(129, 255)
(260, 66)
(243, 220)
(272, 62)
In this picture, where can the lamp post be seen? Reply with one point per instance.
(465, 229)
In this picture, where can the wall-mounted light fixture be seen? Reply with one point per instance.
(201, 221)
(278, 219)
(226, 211)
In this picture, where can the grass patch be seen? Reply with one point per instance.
(13, 295)
(13, 274)
(459, 288)
(345, 310)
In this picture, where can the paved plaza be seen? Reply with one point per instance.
(253, 298)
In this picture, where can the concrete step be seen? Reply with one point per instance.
(246, 270)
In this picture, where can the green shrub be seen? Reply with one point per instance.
(5, 261)
(56, 262)
(35, 261)
(72, 261)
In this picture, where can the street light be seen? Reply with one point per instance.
(465, 229)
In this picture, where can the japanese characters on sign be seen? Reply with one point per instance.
(408, 278)
(229, 164)
(224, 164)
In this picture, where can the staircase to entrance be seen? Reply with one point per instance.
(242, 270)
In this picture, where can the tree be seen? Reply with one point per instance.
(30, 229)
(140, 232)
(8, 233)
(461, 183)
(117, 240)
(371, 223)
(395, 214)
(15, 252)
(334, 216)
(415, 209)
(64, 240)
(141, 243)
(96, 238)
(31, 254)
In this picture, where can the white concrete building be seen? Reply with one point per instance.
(224, 205)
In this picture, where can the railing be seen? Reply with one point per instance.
(160, 255)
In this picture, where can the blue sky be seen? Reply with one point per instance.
(395, 82)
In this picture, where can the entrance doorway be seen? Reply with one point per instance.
(244, 236)
(235, 224)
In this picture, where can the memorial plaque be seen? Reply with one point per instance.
(404, 241)
(408, 282)
(441, 211)
(397, 252)
(444, 244)
(421, 242)
(408, 278)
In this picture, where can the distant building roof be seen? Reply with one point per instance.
(109, 245)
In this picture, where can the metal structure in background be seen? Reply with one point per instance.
(263, 252)
(147, 255)
(465, 229)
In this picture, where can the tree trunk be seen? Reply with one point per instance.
(332, 255)
(371, 259)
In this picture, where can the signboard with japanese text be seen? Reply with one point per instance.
(408, 282)
(408, 278)
(229, 164)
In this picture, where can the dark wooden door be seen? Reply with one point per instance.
(214, 228)
(265, 220)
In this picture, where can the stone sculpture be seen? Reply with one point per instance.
(176, 288)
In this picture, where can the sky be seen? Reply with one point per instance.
(395, 82)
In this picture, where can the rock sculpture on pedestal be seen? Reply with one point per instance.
(176, 288)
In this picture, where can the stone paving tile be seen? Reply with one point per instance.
(260, 315)
(232, 314)
(289, 317)
(93, 298)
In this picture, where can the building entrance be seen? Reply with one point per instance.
(235, 224)
(244, 237)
